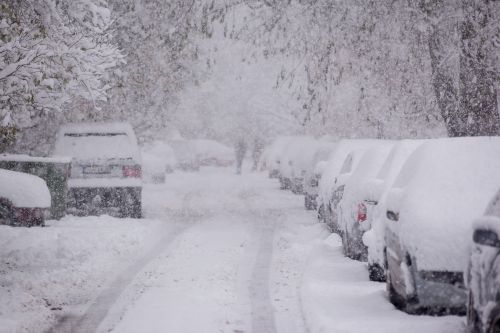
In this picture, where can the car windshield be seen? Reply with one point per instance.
(85, 146)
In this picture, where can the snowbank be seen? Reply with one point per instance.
(24, 190)
(444, 185)
(61, 267)
(338, 297)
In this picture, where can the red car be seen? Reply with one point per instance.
(24, 199)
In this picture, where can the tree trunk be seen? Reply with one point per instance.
(478, 95)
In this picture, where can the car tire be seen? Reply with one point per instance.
(473, 320)
(494, 321)
(132, 205)
(376, 273)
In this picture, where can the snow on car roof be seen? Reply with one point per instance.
(98, 127)
(27, 158)
(88, 141)
(295, 151)
(24, 190)
(443, 186)
(275, 150)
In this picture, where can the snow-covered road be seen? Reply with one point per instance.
(216, 253)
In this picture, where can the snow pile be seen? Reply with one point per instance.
(63, 266)
(444, 185)
(338, 297)
(89, 141)
(24, 190)
(376, 190)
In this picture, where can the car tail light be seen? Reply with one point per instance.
(361, 212)
(132, 171)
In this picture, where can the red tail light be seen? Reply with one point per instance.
(361, 212)
(132, 171)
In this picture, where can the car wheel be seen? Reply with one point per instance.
(473, 322)
(131, 205)
(376, 273)
(494, 322)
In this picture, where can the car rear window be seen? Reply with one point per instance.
(98, 145)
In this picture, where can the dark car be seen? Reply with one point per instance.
(483, 283)
(106, 169)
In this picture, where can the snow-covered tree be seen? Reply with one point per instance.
(55, 60)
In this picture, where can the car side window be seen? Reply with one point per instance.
(347, 166)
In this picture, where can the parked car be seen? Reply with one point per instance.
(353, 209)
(185, 153)
(24, 199)
(158, 159)
(374, 195)
(213, 153)
(336, 172)
(292, 150)
(302, 162)
(106, 170)
(313, 173)
(483, 284)
(441, 188)
(54, 171)
(272, 155)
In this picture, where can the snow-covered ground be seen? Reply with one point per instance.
(216, 253)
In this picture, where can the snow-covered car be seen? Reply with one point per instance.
(271, 157)
(312, 173)
(158, 159)
(106, 170)
(293, 151)
(213, 153)
(185, 152)
(443, 186)
(353, 209)
(483, 283)
(374, 198)
(330, 186)
(24, 199)
(303, 163)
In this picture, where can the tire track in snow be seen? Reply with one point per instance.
(98, 309)
(263, 320)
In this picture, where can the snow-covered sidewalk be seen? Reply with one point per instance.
(216, 253)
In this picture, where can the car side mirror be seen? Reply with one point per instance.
(393, 216)
(486, 237)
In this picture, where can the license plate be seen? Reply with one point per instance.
(97, 169)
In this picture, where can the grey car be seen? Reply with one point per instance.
(106, 170)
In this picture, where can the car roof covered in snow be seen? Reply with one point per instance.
(24, 190)
(274, 151)
(443, 186)
(334, 164)
(103, 140)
